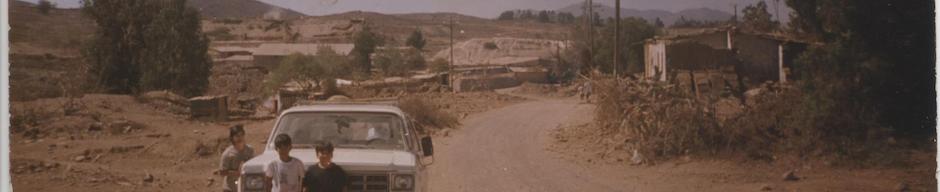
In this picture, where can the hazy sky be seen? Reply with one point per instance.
(484, 8)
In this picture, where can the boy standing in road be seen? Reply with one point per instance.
(233, 157)
(325, 176)
(285, 173)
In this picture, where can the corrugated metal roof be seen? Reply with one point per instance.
(281, 49)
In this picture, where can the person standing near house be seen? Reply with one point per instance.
(233, 157)
(587, 91)
(581, 92)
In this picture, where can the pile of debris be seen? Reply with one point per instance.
(662, 120)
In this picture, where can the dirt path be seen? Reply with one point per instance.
(506, 150)
(503, 150)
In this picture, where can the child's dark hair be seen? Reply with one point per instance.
(282, 140)
(235, 131)
(325, 147)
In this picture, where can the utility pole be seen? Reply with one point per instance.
(450, 67)
(777, 10)
(617, 39)
(735, 14)
(590, 16)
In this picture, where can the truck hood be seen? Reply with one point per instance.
(352, 160)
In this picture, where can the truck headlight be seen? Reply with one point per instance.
(254, 182)
(403, 182)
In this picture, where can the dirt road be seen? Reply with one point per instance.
(506, 150)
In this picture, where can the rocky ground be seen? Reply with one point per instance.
(121, 143)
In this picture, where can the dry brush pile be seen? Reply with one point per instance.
(662, 120)
(656, 118)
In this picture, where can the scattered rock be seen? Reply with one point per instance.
(637, 158)
(790, 176)
(79, 158)
(148, 178)
(97, 126)
(445, 133)
(125, 183)
(96, 180)
(766, 188)
(209, 182)
(202, 149)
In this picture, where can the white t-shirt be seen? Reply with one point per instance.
(287, 176)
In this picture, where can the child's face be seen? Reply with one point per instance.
(325, 157)
(239, 140)
(283, 150)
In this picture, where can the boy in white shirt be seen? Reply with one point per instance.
(284, 174)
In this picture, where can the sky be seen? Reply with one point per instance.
(486, 8)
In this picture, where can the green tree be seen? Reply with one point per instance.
(395, 62)
(543, 17)
(365, 42)
(879, 53)
(309, 72)
(757, 18)
(391, 62)
(414, 60)
(507, 15)
(304, 70)
(147, 45)
(659, 23)
(632, 31)
(416, 40)
(45, 6)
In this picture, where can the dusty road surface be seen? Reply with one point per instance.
(506, 149)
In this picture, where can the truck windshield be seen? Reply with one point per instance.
(344, 130)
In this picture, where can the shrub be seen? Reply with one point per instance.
(45, 6)
(427, 114)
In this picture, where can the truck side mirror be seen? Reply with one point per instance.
(427, 146)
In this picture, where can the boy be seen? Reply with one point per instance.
(325, 176)
(285, 173)
(233, 157)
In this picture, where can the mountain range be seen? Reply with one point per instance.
(668, 18)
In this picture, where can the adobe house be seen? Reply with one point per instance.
(753, 57)
(269, 55)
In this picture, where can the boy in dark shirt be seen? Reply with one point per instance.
(325, 176)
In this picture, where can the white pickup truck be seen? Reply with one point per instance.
(375, 143)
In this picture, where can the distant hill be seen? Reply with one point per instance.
(701, 14)
(240, 9)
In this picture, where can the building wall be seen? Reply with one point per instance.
(532, 77)
(759, 58)
(655, 59)
(718, 40)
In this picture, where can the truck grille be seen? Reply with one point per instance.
(368, 183)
